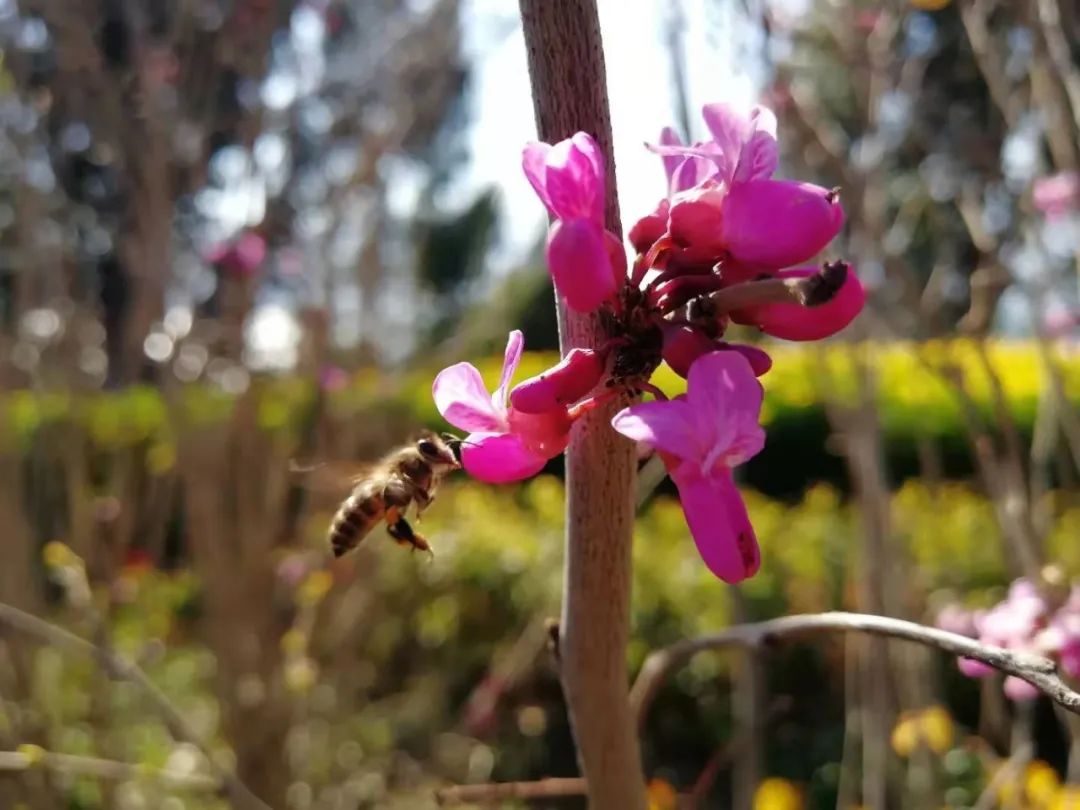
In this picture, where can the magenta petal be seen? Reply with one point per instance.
(667, 426)
(778, 223)
(649, 228)
(616, 258)
(759, 158)
(1017, 689)
(562, 385)
(973, 668)
(462, 399)
(534, 162)
(668, 137)
(575, 179)
(682, 346)
(499, 458)
(759, 359)
(696, 219)
(577, 254)
(794, 322)
(515, 345)
(723, 388)
(717, 518)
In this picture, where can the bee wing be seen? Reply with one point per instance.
(334, 477)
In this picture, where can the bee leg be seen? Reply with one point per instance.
(404, 535)
(423, 500)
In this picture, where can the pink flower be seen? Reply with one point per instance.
(1057, 194)
(725, 204)
(683, 345)
(512, 443)
(778, 223)
(587, 263)
(1018, 623)
(242, 257)
(583, 266)
(568, 177)
(702, 435)
(743, 148)
(792, 321)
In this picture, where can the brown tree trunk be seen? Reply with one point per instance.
(566, 67)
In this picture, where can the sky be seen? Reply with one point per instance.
(641, 93)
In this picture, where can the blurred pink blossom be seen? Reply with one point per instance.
(1057, 194)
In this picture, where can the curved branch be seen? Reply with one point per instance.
(1036, 670)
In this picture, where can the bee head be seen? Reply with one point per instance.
(454, 443)
(445, 449)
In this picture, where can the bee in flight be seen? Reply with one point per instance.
(407, 475)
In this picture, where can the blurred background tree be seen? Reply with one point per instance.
(234, 235)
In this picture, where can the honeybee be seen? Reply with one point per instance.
(405, 476)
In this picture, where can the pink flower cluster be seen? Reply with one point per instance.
(726, 244)
(1025, 622)
(1057, 194)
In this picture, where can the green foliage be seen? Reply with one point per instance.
(399, 643)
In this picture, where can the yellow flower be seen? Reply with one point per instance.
(777, 794)
(661, 795)
(57, 555)
(931, 727)
(293, 642)
(1041, 783)
(1068, 798)
(315, 587)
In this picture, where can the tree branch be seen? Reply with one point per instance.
(498, 791)
(122, 669)
(567, 73)
(1036, 670)
(29, 759)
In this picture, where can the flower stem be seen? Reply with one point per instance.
(566, 68)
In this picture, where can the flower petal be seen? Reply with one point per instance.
(973, 668)
(778, 223)
(718, 521)
(667, 426)
(499, 458)
(649, 228)
(795, 322)
(463, 401)
(580, 265)
(515, 345)
(759, 359)
(1017, 689)
(574, 179)
(561, 385)
(669, 137)
(534, 162)
(696, 219)
(730, 128)
(683, 345)
(726, 400)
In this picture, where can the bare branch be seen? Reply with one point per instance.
(498, 791)
(18, 761)
(122, 669)
(1036, 670)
